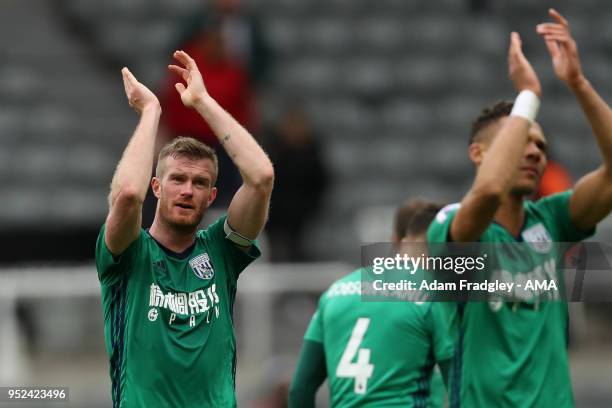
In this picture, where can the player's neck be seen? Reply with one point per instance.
(175, 239)
(511, 214)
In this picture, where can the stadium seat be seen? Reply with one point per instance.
(19, 83)
(309, 76)
(420, 74)
(84, 163)
(284, 36)
(380, 34)
(406, 116)
(12, 122)
(23, 205)
(345, 118)
(328, 36)
(367, 76)
(77, 205)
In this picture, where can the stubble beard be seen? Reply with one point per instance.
(182, 227)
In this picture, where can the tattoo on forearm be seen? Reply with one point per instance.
(225, 139)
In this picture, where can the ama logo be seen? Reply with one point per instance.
(202, 267)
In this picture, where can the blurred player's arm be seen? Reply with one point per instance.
(592, 197)
(498, 168)
(248, 210)
(133, 174)
(445, 324)
(309, 375)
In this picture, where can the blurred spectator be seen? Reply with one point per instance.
(554, 180)
(300, 182)
(227, 81)
(241, 32)
(228, 45)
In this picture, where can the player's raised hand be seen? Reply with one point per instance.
(195, 90)
(139, 96)
(520, 70)
(562, 48)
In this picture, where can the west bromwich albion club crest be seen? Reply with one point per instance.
(538, 238)
(202, 267)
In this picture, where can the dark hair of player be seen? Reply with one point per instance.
(489, 115)
(414, 216)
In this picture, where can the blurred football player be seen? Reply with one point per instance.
(376, 353)
(512, 352)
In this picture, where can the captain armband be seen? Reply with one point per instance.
(235, 237)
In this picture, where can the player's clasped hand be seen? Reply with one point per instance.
(520, 70)
(139, 96)
(562, 48)
(195, 90)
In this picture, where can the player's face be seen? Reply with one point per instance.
(533, 163)
(185, 191)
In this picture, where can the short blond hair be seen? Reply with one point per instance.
(189, 148)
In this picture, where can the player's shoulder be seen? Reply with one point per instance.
(149, 246)
(447, 212)
(349, 284)
(213, 230)
(354, 276)
(145, 235)
(438, 230)
(551, 209)
(560, 199)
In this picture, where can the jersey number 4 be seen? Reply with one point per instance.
(361, 370)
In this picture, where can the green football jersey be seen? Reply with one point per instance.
(168, 320)
(514, 353)
(378, 354)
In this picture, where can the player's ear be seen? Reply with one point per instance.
(211, 197)
(156, 186)
(476, 153)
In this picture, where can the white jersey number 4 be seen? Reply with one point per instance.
(361, 370)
